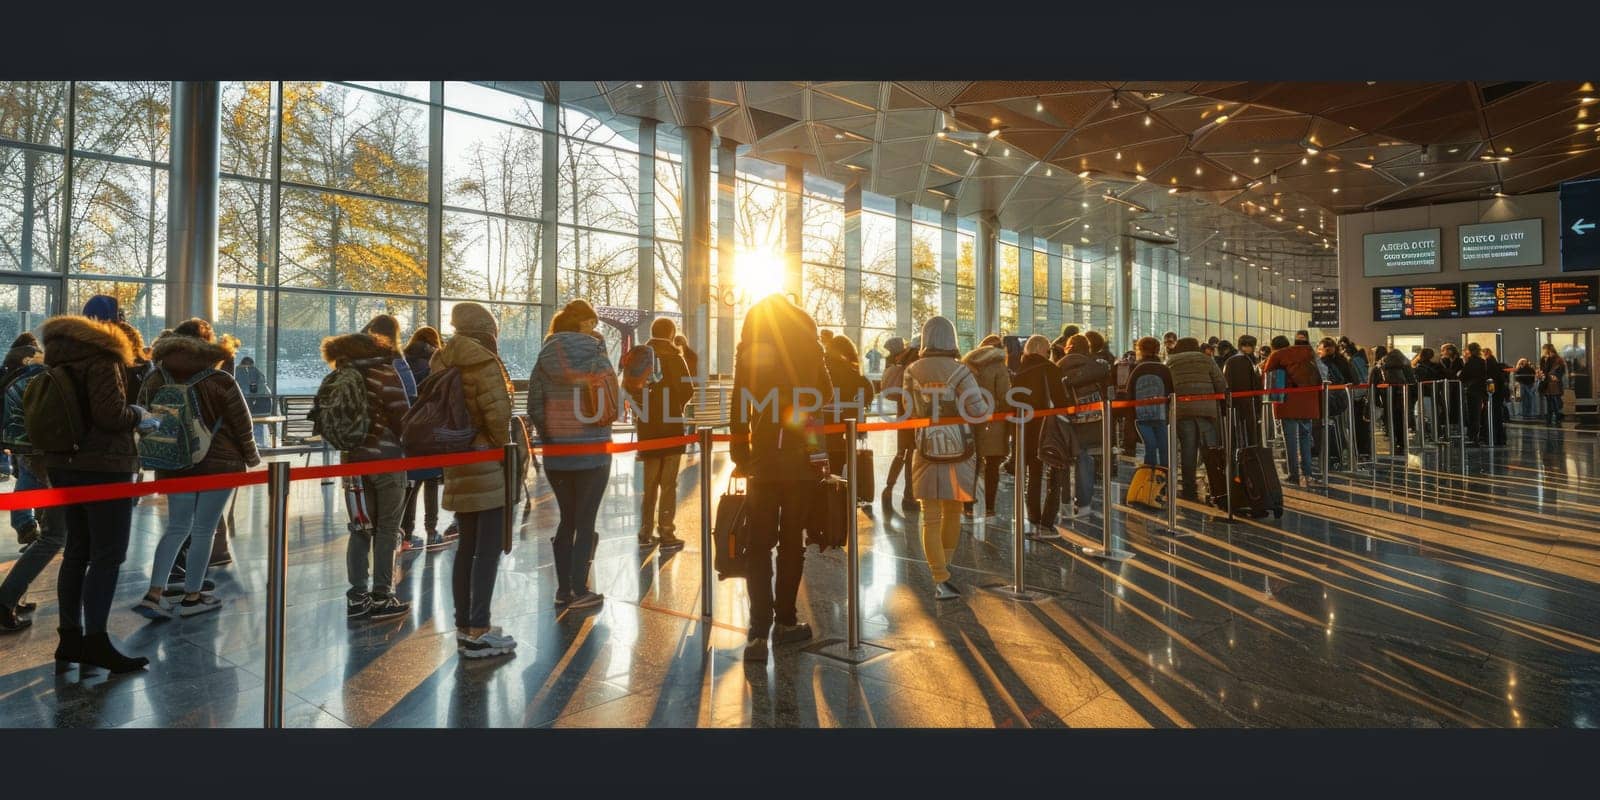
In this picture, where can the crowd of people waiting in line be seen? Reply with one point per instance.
(780, 354)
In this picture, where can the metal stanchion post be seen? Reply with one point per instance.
(1229, 447)
(1355, 441)
(1461, 412)
(510, 468)
(1172, 464)
(1405, 416)
(277, 576)
(1327, 435)
(1107, 549)
(853, 550)
(707, 549)
(1488, 407)
(852, 650)
(1018, 589)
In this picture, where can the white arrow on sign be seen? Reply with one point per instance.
(1581, 228)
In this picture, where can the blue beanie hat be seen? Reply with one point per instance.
(102, 307)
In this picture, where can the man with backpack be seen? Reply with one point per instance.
(41, 538)
(360, 408)
(657, 380)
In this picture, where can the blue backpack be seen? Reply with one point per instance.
(181, 438)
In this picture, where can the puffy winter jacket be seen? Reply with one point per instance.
(1299, 362)
(1150, 378)
(1194, 372)
(233, 448)
(387, 402)
(98, 356)
(487, 389)
(1085, 378)
(568, 363)
(938, 378)
(988, 365)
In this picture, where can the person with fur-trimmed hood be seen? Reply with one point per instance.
(193, 355)
(94, 355)
(383, 493)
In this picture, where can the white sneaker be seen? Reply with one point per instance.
(485, 645)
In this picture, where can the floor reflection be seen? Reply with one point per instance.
(1408, 595)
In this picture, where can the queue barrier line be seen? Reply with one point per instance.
(47, 498)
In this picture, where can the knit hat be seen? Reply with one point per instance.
(473, 318)
(895, 346)
(102, 307)
(26, 339)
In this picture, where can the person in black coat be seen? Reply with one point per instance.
(1475, 384)
(1240, 373)
(1037, 385)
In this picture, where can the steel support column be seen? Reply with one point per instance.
(192, 200)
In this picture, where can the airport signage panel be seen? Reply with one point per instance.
(1325, 308)
(1580, 225)
(1559, 296)
(1396, 303)
(1509, 298)
(1400, 252)
(1519, 243)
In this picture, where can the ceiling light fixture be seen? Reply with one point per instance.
(1116, 102)
(994, 132)
(1147, 120)
(1335, 190)
(1140, 178)
(1311, 151)
(1049, 172)
(838, 136)
(1363, 165)
(1084, 174)
(1038, 106)
(1222, 119)
(1118, 155)
(1083, 239)
(1586, 100)
(1256, 160)
(1304, 161)
(1173, 190)
(1197, 170)
(939, 135)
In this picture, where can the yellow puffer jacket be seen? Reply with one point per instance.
(478, 487)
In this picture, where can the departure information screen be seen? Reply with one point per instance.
(1394, 303)
(1513, 298)
(1569, 295)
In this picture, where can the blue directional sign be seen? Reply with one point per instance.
(1580, 225)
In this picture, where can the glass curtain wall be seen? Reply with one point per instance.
(341, 200)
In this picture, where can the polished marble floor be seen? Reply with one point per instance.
(1411, 596)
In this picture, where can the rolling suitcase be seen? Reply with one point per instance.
(864, 477)
(1216, 461)
(1260, 490)
(731, 532)
(829, 520)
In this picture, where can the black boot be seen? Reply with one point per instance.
(98, 651)
(69, 650)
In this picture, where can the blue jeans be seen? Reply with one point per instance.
(191, 517)
(1297, 446)
(52, 535)
(578, 494)
(1530, 403)
(1153, 432)
(26, 479)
